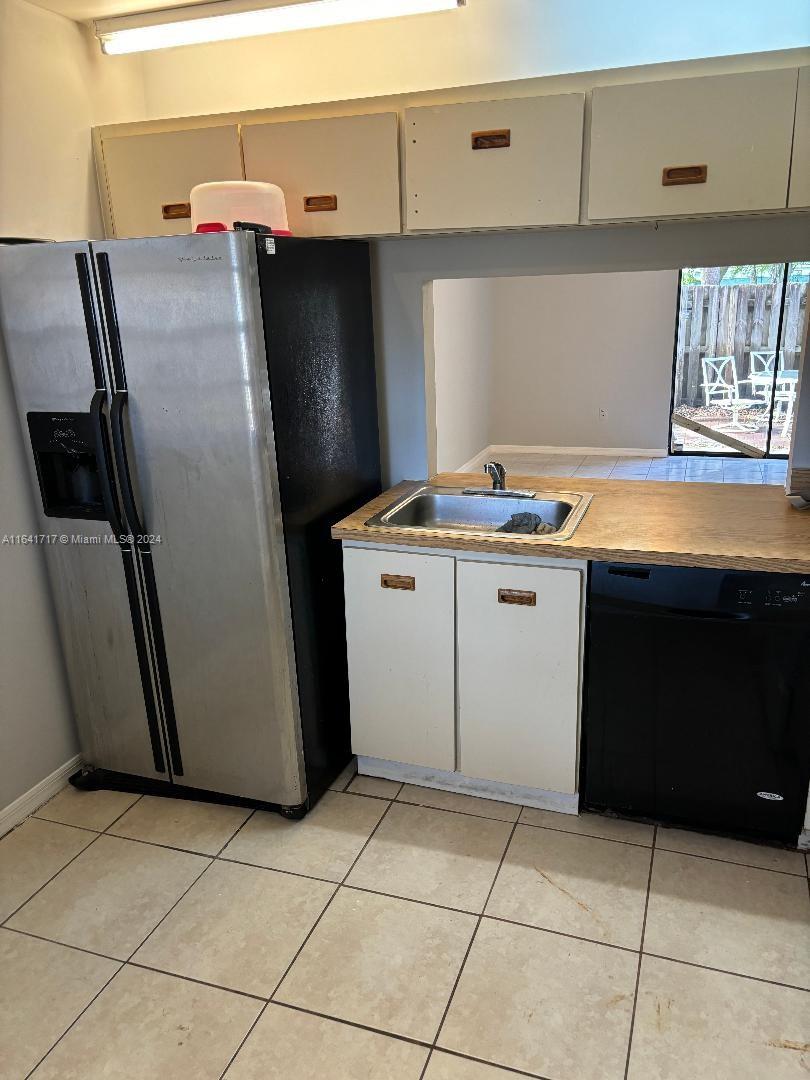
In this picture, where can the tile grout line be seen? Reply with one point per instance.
(727, 971)
(470, 945)
(300, 948)
(732, 862)
(76, 1019)
(230, 839)
(50, 879)
(351, 1023)
(171, 909)
(62, 944)
(298, 952)
(116, 820)
(197, 982)
(640, 956)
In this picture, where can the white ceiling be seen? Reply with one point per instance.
(102, 9)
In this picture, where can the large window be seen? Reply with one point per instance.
(737, 352)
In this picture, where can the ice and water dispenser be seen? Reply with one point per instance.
(67, 466)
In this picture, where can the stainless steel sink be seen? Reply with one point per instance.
(455, 511)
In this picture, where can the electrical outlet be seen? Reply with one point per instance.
(603, 414)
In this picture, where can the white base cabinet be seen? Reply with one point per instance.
(518, 673)
(467, 666)
(399, 634)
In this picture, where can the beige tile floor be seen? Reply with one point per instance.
(696, 468)
(397, 933)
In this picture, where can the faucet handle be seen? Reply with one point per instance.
(497, 472)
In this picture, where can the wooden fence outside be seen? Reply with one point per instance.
(734, 320)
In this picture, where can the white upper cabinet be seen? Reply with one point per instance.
(494, 164)
(711, 145)
(800, 167)
(150, 177)
(339, 175)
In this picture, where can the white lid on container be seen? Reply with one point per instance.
(227, 201)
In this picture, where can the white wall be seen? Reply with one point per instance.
(54, 85)
(402, 267)
(566, 346)
(462, 348)
(488, 41)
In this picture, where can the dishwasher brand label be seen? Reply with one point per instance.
(771, 796)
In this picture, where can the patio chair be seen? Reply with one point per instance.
(762, 362)
(722, 387)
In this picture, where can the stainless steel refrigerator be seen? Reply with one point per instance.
(198, 411)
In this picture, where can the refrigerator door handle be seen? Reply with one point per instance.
(110, 500)
(111, 318)
(93, 339)
(117, 418)
(104, 461)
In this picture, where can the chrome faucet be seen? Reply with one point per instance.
(497, 472)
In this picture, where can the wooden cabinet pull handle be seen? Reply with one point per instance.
(517, 596)
(684, 174)
(172, 211)
(315, 203)
(398, 581)
(491, 140)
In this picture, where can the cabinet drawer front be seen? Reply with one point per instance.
(339, 175)
(400, 634)
(709, 145)
(150, 177)
(494, 164)
(800, 166)
(519, 673)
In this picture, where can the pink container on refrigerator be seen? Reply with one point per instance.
(216, 206)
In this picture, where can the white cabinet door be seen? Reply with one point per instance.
(150, 177)
(339, 175)
(519, 648)
(709, 145)
(400, 614)
(800, 165)
(494, 164)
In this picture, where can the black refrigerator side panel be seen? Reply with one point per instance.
(316, 299)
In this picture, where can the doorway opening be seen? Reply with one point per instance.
(737, 356)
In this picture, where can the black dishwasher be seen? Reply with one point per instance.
(698, 697)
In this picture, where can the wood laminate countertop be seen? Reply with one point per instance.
(734, 526)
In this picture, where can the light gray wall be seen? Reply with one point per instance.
(463, 328)
(567, 345)
(37, 733)
(402, 266)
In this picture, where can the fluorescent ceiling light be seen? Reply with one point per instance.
(201, 23)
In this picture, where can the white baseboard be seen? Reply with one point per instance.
(468, 785)
(804, 840)
(592, 451)
(32, 799)
(492, 452)
(474, 464)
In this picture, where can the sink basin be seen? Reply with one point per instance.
(456, 511)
